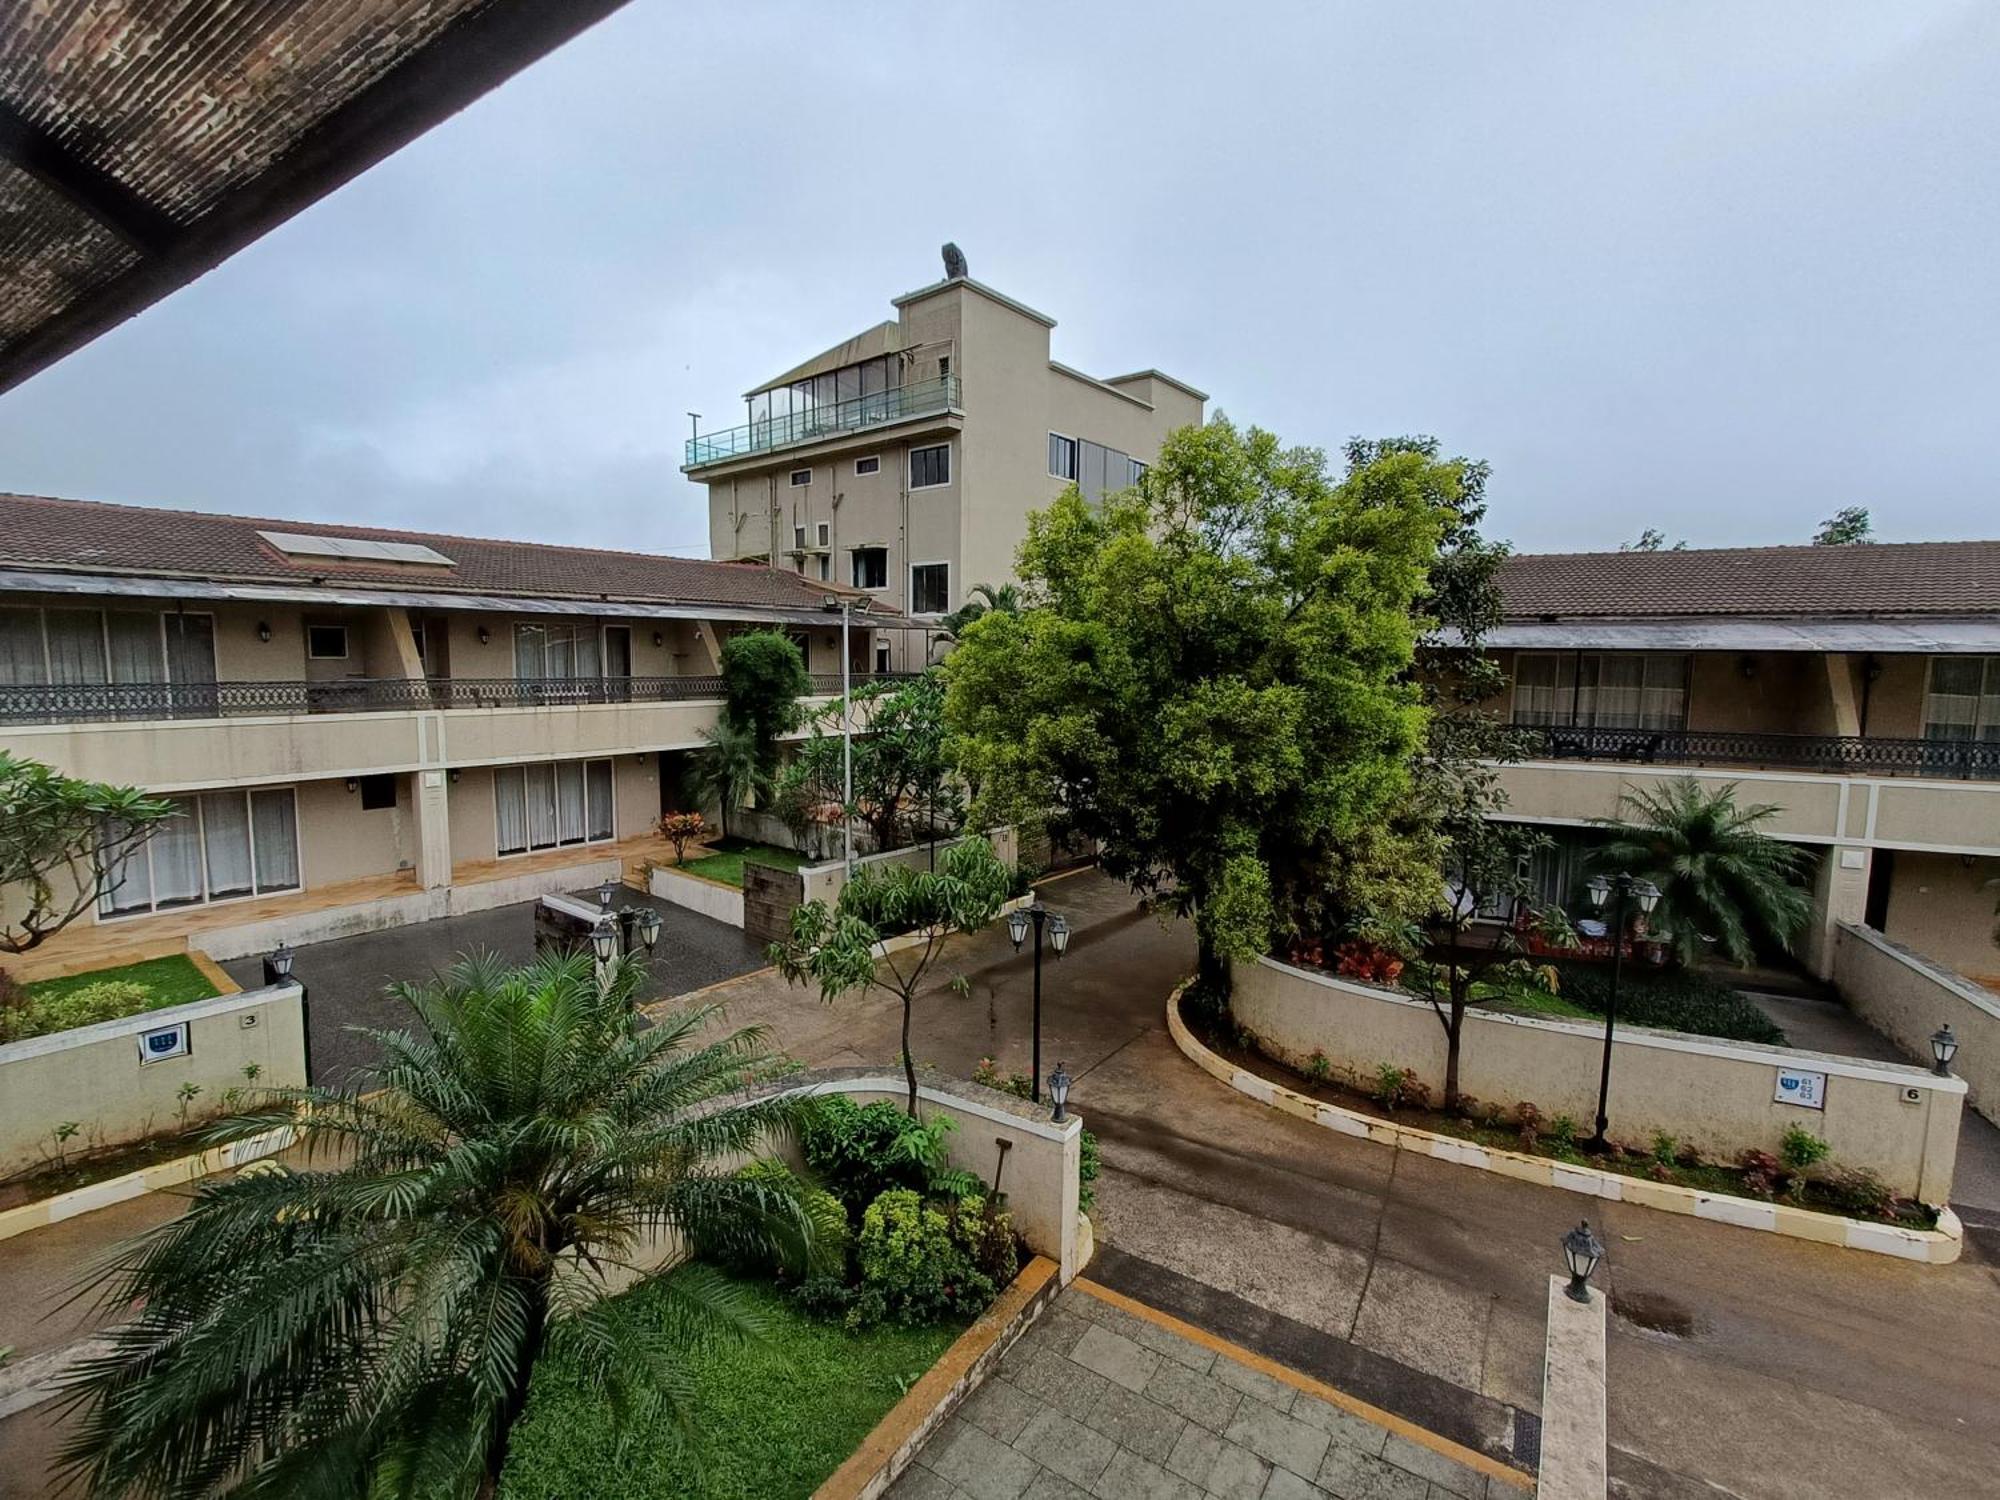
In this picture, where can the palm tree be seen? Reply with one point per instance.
(982, 599)
(369, 1323)
(1720, 879)
(729, 768)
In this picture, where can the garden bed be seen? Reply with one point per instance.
(723, 860)
(81, 1169)
(51, 1005)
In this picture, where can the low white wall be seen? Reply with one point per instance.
(94, 1076)
(824, 882)
(1898, 1122)
(709, 897)
(1906, 997)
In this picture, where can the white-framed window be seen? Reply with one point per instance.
(551, 804)
(563, 652)
(65, 646)
(220, 846)
(826, 567)
(799, 538)
(930, 467)
(1138, 470)
(326, 642)
(871, 567)
(1962, 698)
(882, 656)
(1602, 689)
(822, 533)
(801, 477)
(1062, 456)
(869, 465)
(930, 588)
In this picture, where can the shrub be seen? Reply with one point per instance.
(1858, 1192)
(1665, 1149)
(1089, 1165)
(44, 1015)
(987, 1073)
(1396, 1087)
(1679, 1000)
(1368, 961)
(862, 1151)
(681, 829)
(1562, 1134)
(1762, 1173)
(1801, 1148)
(913, 1258)
(1317, 1067)
(830, 1231)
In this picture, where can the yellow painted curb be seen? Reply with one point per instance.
(886, 1451)
(1472, 1458)
(26, 1217)
(214, 973)
(1937, 1247)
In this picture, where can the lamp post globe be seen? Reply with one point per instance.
(281, 958)
(606, 894)
(1059, 933)
(1017, 927)
(1944, 1047)
(1581, 1251)
(1600, 891)
(604, 940)
(649, 927)
(1059, 1082)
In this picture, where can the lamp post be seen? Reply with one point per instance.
(1582, 1250)
(1017, 929)
(606, 894)
(1944, 1047)
(846, 608)
(604, 947)
(1625, 888)
(278, 969)
(1059, 1082)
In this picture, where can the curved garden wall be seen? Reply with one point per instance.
(1898, 1122)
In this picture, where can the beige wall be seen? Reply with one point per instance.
(1716, 1096)
(338, 841)
(823, 882)
(93, 1075)
(1906, 996)
(1896, 697)
(1943, 907)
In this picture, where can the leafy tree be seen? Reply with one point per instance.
(680, 829)
(763, 679)
(63, 843)
(1845, 528)
(810, 790)
(835, 947)
(1652, 539)
(1211, 676)
(903, 772)
(369, 1323)
(981, 599)
(728, 769)
(1719, 877)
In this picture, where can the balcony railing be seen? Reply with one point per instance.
(67, 703)
(921, 398)
(1843, 755)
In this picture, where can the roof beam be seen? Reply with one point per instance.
(95, 192)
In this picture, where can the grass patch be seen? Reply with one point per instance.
(770, 1420)
(1530, 1000)
(1676, 1000)
(173, 980)
(725, 859)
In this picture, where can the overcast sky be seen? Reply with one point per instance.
(1720, 269)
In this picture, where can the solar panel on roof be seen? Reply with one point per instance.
(354, 549)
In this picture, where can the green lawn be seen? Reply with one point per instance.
(174, 980)
(725, 858)
(770, 1421)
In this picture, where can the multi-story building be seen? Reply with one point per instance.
(904, 461)
(1857, 689)
(364, 726)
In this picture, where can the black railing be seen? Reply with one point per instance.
(1840, 755)
(67, 703)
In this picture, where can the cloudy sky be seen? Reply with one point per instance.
(1717, 268)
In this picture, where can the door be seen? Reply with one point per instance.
(618, 663)
(191, 665)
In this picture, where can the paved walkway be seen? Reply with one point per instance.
(1096, 1403)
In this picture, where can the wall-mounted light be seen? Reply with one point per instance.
(659, 639)
(354, 783)
(264, 631)
(1747, 665)
(485, 635)
(456, 775)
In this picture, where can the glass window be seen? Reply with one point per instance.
(135, 644)
(847, 383)
(871, 567)
(510, 809)
(561, 653)
(218, 845)
(1602, 690)
(930, 588)
(76, 645)
(1062, 456)
(541, 807)
(22, 662)
(1962, 700)
(801, 477)
(930, 466)
(274, 831)
(225, 834)
(826, 567)
(597, 778)
(868, 465)
(326, 642)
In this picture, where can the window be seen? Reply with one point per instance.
(70, 646)
(930, 467)
(872, 465)
(219, 846)
(930, 588)
(326, 642)
(823, 533)
(871, 567)
(378, 793)
(799, 538)
(1062, 456)
(944, 366)
(555, 652)
(1962, 698)
(1100, 470)
(1138, 470)
(541, 807)
(801, 476)
(1602, 690)
(882, 656)
(826, 567)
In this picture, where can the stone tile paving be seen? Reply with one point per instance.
(1096, 1404)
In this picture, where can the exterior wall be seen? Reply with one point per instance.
(1906, 997)
(1896, 697)
(338, 841)
(1943, 907)
(1785, 692)
(824, 882)
(1715, 1095)
(93, 1075)
(1839, 894)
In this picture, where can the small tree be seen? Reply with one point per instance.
(1845, 528)
(763, 678)
(63, 843)
(680, 829)
(807, 794)
(835, 947)
(982, 599)
(903, 776)
(727, 769)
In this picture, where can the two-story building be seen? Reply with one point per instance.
(904, 461)
(1855, 688)
(362, 726)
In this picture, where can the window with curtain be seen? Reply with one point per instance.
(563, 653)
(1962, 698)
(546, 806)
(274, 828)
(217, 847)
(76, 645)
(23, 662)
(225, 842)
(1601, 689)
(79, 646)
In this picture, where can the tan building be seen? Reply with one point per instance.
(365, 727)
(904, 461)
(1856, 688)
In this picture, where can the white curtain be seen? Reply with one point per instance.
(76, 645)
(135, 645)
(510, 807)
(130, 883)
(598, 774)
(225, 831)
(176, 851)
(274, 821)
(569, 803)
(541, 806)
(529, 655)
(21, 660)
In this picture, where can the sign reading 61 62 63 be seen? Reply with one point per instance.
(1796, 1086)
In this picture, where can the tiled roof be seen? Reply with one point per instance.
(1904, 578)
(86, 536)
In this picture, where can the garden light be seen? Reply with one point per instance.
(604, 940)
(1648, 894)
(606, 894)
(1059, 1082)
(1059, 933)
(1582, 1250)
(649, 927)
(1017, 928)
(282, 955)
(1600, 891)
(1944, 1047)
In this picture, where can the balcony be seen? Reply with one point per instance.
(1839, 755)
(923, 398)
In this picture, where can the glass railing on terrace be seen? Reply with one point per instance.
(919, 399)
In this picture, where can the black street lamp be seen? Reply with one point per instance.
(606, 894)
(1059, 1082)
(1017, 929)
(1625, 888)
(649, 926)
(604, 940)
(1944, 1047)
(278, 966)
(1582, 1250)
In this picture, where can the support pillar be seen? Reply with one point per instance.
(433, 799)
(1839, 894)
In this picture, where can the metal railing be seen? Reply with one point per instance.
(69, 703)
(920, 398)
(1840, 755)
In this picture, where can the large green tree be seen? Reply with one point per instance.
(63, 842)
(1211, 675)
(369, 1323)
(763, 679)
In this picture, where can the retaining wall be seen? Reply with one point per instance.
(1720, 1097)
(823, 882)
(711, 898)
(1906, 997)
